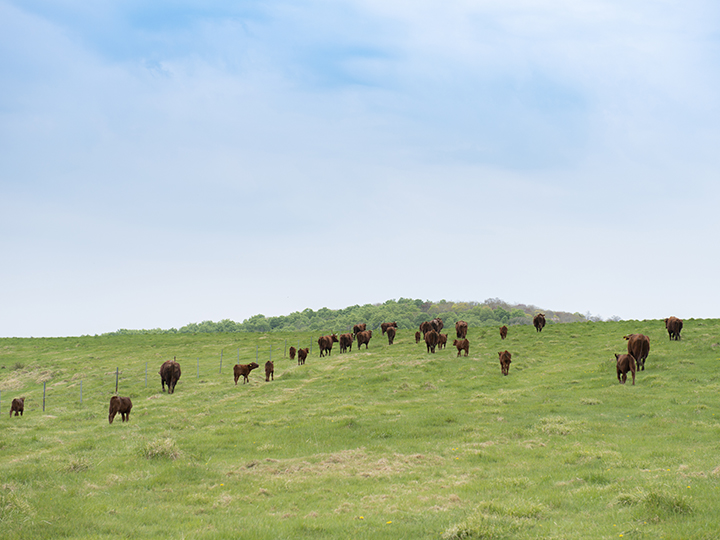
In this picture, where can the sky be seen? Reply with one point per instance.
(173, 162)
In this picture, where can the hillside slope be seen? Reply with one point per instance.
(388, 442)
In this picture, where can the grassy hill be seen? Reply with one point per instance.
(389, 442)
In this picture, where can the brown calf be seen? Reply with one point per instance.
(503, 332)
(390, 334)
(293, 350)
(418, 337)
(461, 328)
(269, 370)
(17, 406)
(462, 345)
(625, 363)
(244, 370)
(505, 359)
(363, 338)
(121, 405)
(302, 355)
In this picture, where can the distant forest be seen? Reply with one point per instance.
(406, 312)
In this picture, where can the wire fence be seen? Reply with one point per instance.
(97, 383)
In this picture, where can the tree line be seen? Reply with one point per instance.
(408, 314)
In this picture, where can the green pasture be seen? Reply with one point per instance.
(389, 442)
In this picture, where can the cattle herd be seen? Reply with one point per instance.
(638, 349)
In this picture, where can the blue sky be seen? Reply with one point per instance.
(187, 161)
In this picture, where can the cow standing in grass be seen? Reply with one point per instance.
(442, 341)
(505, 359)
(326, 344)
(346, 341)
(244, 371)
(674, 327)
(639, 347)
(390, 334)
(539, 322)
(384, 326)
(431, 340)
(503, 332)
(462, 345)
(170, 374)
(269, 370)
(293, 351)
(625, 363)
(461, 329)
(363, 338)
(302, 356)
(17, 406)
(122, 405)
(418, 337)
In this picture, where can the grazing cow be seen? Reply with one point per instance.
(244, 370)
(418, 337)
(170, 374)
(425, 327)
(384, 326)
(391, 334)
(437, 324)
(431, 340)
(639, 347)
(539, 322)
(359, 328)
(462, 345)
(461, 328)
(293, 351)
(17, 406)
(326, 343)
(625, 363)
(269, 370)
(302, 355)
(442, 341)
(503, 332)
(505, 359)
(363, 338)
(346, 341)
(674, 326)
(121, 405)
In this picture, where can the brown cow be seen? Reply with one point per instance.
(302, 355)
(363, 338)
(293, 351)
(625, 363)
(418, 337)
(639, 347)
(431, 340)
(326, 343)
(437, 324)
(170, 374)
(674, 327)
(269, 370)
(17, 406)
(384, 326)
(539, 321)
(425, 327)
(244, 370)
(391, 334)
(121, 405)
(461, 328)
(359, 328)
(505, 359)
(462, 345)
(442, 341)
(346, 341)
(503, 332)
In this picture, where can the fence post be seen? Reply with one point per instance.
(44, 383)
(117, 375)
(285, 353)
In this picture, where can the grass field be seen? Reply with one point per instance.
(391, 442)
